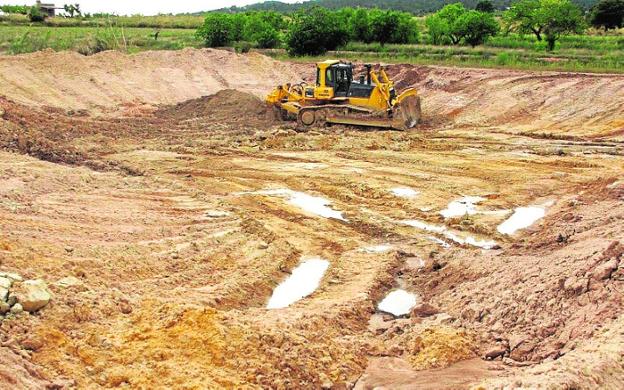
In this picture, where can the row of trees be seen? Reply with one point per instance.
(317, 30)
(312, 31)
(548, 20)
(262, 28)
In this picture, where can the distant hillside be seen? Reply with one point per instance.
(417, 7)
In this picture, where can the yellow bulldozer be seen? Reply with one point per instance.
(337, 98)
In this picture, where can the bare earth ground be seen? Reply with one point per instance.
(122, 172)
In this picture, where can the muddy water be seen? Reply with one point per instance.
(398, 302)
(522, 218)
(303, 281)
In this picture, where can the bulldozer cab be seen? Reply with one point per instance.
(334, 79)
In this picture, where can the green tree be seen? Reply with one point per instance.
(562, 18)
(545, 18)
(268, 39)
(238, 22)
(476, 27)
(437, 28)
(525, 17)
(360, 26)
(408, 31)
(608, 14)
(485, 6)
(346, 15)
(259, 29)
(314, 31)
(275, 19)
(217, 30)
(443, 25)
(392, 27)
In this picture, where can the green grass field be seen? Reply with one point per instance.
(158, 21)
(574, 53)
(594, 52)
(26, 39)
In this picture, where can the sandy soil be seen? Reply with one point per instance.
(136, 175)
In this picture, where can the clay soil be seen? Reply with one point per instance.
(131, 174)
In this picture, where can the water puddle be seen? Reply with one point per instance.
(453, 236)
(424, 226)
(398, 303)
(312, 204)
(470, 240)
(461, 207)
(404, 192)
(522, 218)
(303, 281)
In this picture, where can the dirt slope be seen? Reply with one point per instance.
(154, 212)
(542, 104)
(564, 105)
(111, 79)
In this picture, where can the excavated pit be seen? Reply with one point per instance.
(161, 184)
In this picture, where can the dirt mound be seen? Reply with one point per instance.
(107, 80)
(59, 136)
(228, 104)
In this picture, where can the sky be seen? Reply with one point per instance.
(147, 7)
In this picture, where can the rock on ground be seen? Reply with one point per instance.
(32, 295)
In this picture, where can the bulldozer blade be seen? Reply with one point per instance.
(407, 113)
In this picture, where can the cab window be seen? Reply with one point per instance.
(329, 77)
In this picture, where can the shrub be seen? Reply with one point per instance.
(35, 15)
(29, 43)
